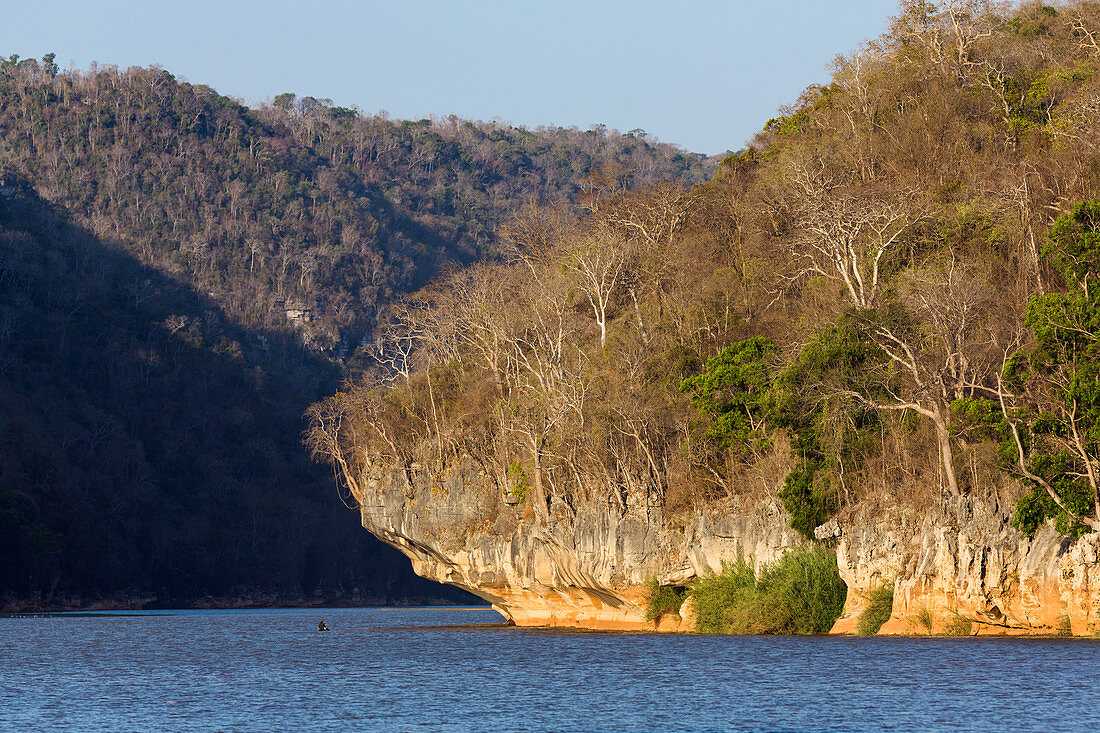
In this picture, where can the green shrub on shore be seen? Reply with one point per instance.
(925, 619)
(880, 604)
(958, 626)
(801, 593)
(727, 602)
(662, 599)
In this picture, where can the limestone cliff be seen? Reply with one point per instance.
(962, 559)
(587, 567)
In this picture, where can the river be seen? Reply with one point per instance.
(460, 670)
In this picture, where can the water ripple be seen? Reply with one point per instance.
(446, 670)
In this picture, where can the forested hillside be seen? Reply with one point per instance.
(890, 296)
(181, 276)
(298, 205)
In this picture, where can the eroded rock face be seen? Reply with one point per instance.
(587, 568)
(961, 563)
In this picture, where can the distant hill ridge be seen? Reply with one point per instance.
(297, 205)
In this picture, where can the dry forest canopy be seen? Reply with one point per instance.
(891, 295)
(182, 275)
(297, 205)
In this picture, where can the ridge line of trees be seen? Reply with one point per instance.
(843, 313)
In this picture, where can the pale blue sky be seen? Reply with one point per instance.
(704, 75)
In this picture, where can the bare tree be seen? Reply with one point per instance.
(843, 233)
(952, 356)
(480, 308)
(652, 213)
(596, 262)
(859, 108)
(394, 347)
(1085, 22)
(948, 30)
(327, 439)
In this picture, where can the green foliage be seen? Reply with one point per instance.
(662, 599)
(1036, 507)
(732, 390)
(741, 397)
(968, 228)
(801, 593)
(49, 65)
(788, 125)
(1034, 20)
(978, 419)
(1034, 92)
(880, 604)
(958, 626)
(838, 354)
(1063, 368)
(839, 357)
(727, 602)
(519, 482)
(808, 496)
(1064, 627)
(925, 619)
(744, 160)
(1074, 246)
(805, 593)
(827, 431)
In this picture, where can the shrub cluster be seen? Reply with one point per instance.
(662, 599)
(801, 593)
(879, 606)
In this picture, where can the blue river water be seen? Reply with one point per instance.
(460, 670)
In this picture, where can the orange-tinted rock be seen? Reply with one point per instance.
(962, 561)
(958, 561)
(586, 568)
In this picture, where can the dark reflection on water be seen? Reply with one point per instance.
(458, 670)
